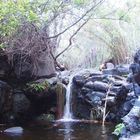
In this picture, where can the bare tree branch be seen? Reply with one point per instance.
(85, 14)
(70, 40)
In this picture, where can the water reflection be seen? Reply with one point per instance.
(68, 131)
(65, 131)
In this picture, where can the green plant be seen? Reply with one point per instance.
(39, 87)
(118, 129)
(79, 2)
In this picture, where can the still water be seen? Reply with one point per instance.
(64, 131)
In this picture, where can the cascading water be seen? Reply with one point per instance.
(67, 110)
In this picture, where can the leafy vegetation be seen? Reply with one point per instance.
(118, 129)
(39, 87)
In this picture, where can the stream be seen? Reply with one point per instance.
(64, 131)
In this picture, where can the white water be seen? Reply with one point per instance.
(67, 110)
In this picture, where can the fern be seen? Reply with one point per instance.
(118, 129)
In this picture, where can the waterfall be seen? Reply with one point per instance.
(67, 110)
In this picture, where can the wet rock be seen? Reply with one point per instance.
(115, 89)
(127, 106)
(110, 72)
(95, 98)
(65, 81)
(45, 96)
(89, 84)
(85, 90)
(130, 96)
(95, 73)
(132, 119)
(5, 101)
(136, 89)
(137, 57)
(123, 69)
(110, 101)
(82, 110)
(130, 78)
(20, 104)
(118, 83)
(100, 86)
(79, 80)
(128, 86)
(95, 78)
(14, 130)
(122, 94)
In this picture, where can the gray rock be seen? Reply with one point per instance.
(100, 86)
(95, 98)
(115, 89)
(85, 90)
(95, 78)
(79, 80)
(20, 103)
(14, 130)
(89, 84)
(6, 100)
(132, 119)
(123, 69)
(110, 101)
(110, 72)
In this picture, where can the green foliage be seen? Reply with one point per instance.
(14, 12)
(80, 2)
(2, 46)
(46, 117)
(118, 129)
(39, 87)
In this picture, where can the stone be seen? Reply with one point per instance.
(21, 103)
(14, 130)
(79, 80)
(95, 98)
(136, 89)
(95, 78)
(123, 70)
(85, 90)
(110, 72)
(110, 65)
(100, 86)
(89, 85)
(132, 119)
(137, 57)
(110, 101)
(6, 101)
(115, 89)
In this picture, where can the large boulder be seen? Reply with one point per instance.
(47, 96)
(132, 120)
(5, 102)
(21, 105)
